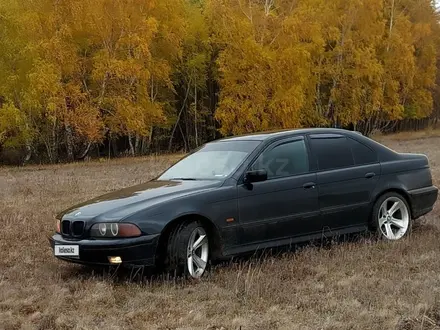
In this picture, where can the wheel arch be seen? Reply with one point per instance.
(397, 190)
(215, 245)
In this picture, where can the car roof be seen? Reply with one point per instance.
(268, 135)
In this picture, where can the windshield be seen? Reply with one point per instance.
(212, 161)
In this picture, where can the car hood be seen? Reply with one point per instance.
(116, 205)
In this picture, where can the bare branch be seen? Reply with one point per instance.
(268, 6)
(248, 16)
(180, 113)
(391, 25)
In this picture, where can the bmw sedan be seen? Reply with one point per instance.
(245, 193)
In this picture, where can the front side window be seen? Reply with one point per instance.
(283, 160)
(332, 153)
(213, 161)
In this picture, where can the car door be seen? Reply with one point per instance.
(348, 172)
(284, 205)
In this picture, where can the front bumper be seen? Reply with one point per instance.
(133, 251)
(422, 200)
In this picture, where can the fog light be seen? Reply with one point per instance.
(115, 260)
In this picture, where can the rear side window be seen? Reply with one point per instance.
(332, 153)
(361, 153)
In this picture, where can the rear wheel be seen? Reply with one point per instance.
(391, 217)
(188, 250)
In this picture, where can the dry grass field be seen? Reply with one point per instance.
(361, 284)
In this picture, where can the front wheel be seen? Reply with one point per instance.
(391, 217)
(188, 250)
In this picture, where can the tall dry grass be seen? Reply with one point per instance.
(360, 284)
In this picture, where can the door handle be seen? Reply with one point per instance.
(309, 185)
(370, 175)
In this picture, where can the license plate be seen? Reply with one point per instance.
(67, 250)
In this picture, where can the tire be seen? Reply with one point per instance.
(391, 217)
(182, 258)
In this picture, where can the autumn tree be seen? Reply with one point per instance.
(288, 64)
(141, 76)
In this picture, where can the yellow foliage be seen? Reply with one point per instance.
(82, 69)
(315, 62)
(13, 126)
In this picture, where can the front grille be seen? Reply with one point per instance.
(72, 228)
(77, 228)
(65, 227)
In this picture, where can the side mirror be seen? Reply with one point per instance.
(255, 176)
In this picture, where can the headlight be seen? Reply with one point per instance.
(58, 226)
(113, 229)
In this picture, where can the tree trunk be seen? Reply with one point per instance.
(86, 151)
(114, 147)
(137, 144)
(48, 150)
(143, 145)
(54, 142)
(184, 139)
(150, 138)
(28, 151)
(390, 29)
(178, 117)
(130, 142)
(69, 142)
(28, 155)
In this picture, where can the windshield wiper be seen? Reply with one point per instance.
(184, 179)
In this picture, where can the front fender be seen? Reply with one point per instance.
(216, 206)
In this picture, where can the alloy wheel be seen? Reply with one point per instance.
(393, 218)
(197, 252)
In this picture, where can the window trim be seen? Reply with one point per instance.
(277, 143)
(322, 136)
